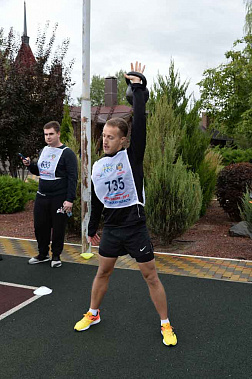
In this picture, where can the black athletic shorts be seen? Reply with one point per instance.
(132, 240)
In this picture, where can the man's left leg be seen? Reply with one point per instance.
(158, 296)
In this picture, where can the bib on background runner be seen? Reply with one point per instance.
(48, 161)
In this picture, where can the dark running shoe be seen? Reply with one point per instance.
(56, 262)
(38, 259)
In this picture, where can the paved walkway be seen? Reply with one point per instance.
(200, 267)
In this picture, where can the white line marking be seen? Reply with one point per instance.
(15, 309)
(27, 239)
(202, 256)
(16, 238)
(155, 252)
(21, 305)
(18, 285)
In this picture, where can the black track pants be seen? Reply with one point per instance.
(49, 225)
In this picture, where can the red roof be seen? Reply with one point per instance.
(25, 57)
(118, 111)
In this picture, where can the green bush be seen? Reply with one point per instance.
(173, 193)
(32, 188)
(194, 142)
(66, 128)
(208, 173)
(230, 155)
(13, 194)
(246, 209)
(231, 185)
(173, 199)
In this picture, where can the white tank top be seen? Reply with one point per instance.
(113, 181)
(48, 161)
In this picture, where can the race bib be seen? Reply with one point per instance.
(114, 182)
(48, 161)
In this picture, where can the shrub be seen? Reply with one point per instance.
(66, 128)
(173, 200)
(32, 188)
(246, 210)
(13, 194)
(230, 155)
(194, 142)
(231, 184)
(173, 193)
(208, 173)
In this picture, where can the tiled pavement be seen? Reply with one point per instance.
(200, 267)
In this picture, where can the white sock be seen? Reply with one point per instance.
(93, 311)
(166, 321)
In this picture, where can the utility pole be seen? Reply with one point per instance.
(85, 128)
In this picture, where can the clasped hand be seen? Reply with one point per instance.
(138, 68)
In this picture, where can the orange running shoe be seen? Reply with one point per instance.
(168, 334)
(87, 321)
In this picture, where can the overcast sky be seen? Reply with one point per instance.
(194, 33)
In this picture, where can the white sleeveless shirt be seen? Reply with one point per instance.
(114, 182)
(48, 161)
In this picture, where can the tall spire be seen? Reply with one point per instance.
(25, 38)
(25, 57)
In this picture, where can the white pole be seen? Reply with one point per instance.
(85, 129)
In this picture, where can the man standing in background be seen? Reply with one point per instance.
(57, 168)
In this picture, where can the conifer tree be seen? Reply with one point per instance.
(173, 193)
(66, 128)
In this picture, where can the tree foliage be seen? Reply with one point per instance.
(192, 143)
(175, 90)
(232, 183)
(173, 193)
(232, 155)
(66, 128)
(248, 17)
(226, 93)
(246, 209)
(30, 96)
(121, 88)
(97, 90)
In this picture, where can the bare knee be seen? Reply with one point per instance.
(151, 278)
(103, 272)
(105, 269)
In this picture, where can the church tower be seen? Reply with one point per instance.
(25, 57)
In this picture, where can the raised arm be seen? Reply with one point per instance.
(138, 132)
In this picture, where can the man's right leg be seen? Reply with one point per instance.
(99, 289)
(42, 227)
(101, 280)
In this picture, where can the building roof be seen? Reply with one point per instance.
(117, 111)
(25, 57)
